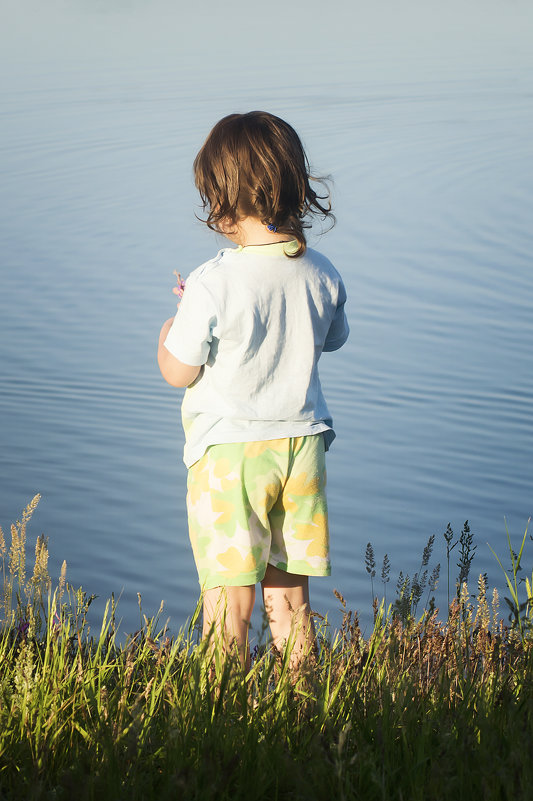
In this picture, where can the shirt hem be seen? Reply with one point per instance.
(254, 436)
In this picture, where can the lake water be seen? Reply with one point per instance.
(425, 124)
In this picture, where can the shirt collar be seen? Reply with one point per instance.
(275, 249)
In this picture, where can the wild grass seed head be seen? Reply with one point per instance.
(385, 569)
(482, 618)
(370, 561)
(62, 580)
(426, 553)
(17, 554)
(448, 536)
(370, 565)
(3, 546)
(41, 578)
(495, 609)
(466, 555)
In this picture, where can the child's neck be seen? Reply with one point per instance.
(251, 231)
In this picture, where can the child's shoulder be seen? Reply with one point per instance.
(321, 263)
(318, 257)
(207, 266)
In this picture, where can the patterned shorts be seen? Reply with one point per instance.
(256, 503)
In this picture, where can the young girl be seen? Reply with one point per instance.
(246, 341)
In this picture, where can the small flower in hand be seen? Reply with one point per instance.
(180, 288)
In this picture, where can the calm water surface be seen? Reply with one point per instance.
(432, 395)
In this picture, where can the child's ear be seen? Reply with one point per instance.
(229, 229)
(225, 226)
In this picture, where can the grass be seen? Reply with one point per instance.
(419, 709)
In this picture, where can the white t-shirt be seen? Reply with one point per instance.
(258, 321)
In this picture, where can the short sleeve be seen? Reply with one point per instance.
(339, 328)
(189, 337)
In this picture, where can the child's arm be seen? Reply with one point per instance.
(175, 373)
(188, 334)
(339, 329)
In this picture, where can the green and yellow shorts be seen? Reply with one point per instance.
(256, 503)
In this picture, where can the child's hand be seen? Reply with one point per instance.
(180, 288)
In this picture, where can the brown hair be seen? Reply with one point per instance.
(254, 165)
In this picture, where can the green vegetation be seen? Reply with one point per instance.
(420, 709)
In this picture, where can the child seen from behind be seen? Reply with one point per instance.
(246, 340)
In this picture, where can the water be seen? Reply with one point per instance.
(428, 140)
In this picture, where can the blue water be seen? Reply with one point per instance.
(432, 163)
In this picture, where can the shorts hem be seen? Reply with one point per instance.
(242, 580)
(307, 571)
(250, 579)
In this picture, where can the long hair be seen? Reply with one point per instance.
(254, 164)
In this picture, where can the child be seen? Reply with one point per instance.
(246, 341)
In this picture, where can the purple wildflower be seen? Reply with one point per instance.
(180, 289)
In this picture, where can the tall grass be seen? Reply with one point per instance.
(419, 709)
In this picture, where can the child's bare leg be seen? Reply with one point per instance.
(286, 598)
(230, 609)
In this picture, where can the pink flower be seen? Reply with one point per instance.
(180, 288)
